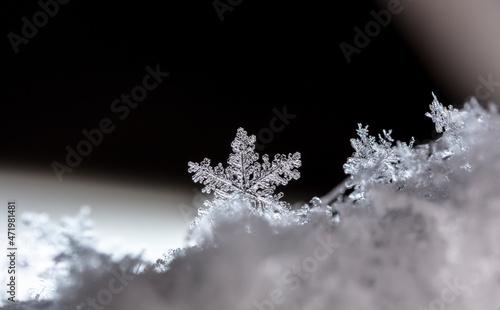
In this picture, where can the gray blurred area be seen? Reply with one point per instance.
(130, 215)
(456, 40)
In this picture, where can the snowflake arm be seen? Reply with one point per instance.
(271, 174)
(212, 178)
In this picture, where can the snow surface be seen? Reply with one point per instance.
(418, 229)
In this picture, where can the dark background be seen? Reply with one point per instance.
(223, 75)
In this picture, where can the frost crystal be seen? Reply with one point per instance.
(443, 118)
(162, 264)
(419, 170)
(245, 176)
(374, 161)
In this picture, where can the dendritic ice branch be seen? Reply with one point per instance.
(245, 175)
(375, 161)
(444, 118)
(424, 167)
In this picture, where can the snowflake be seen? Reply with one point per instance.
(442, 117)
(379, 161)
(245, 176)
(369, 152)
(375, 161)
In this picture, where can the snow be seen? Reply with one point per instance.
(421, 233)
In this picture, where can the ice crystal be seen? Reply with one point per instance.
(443, 118)
(425, 167)
(244, 175)
(162, 264)
(377, 160)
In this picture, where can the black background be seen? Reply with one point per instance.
(223, 75)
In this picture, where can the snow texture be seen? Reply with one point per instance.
(418, 231)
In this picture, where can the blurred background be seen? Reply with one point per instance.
(277, 69)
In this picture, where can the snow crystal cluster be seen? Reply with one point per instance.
(412, 227)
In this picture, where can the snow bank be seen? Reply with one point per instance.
(417, 230)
